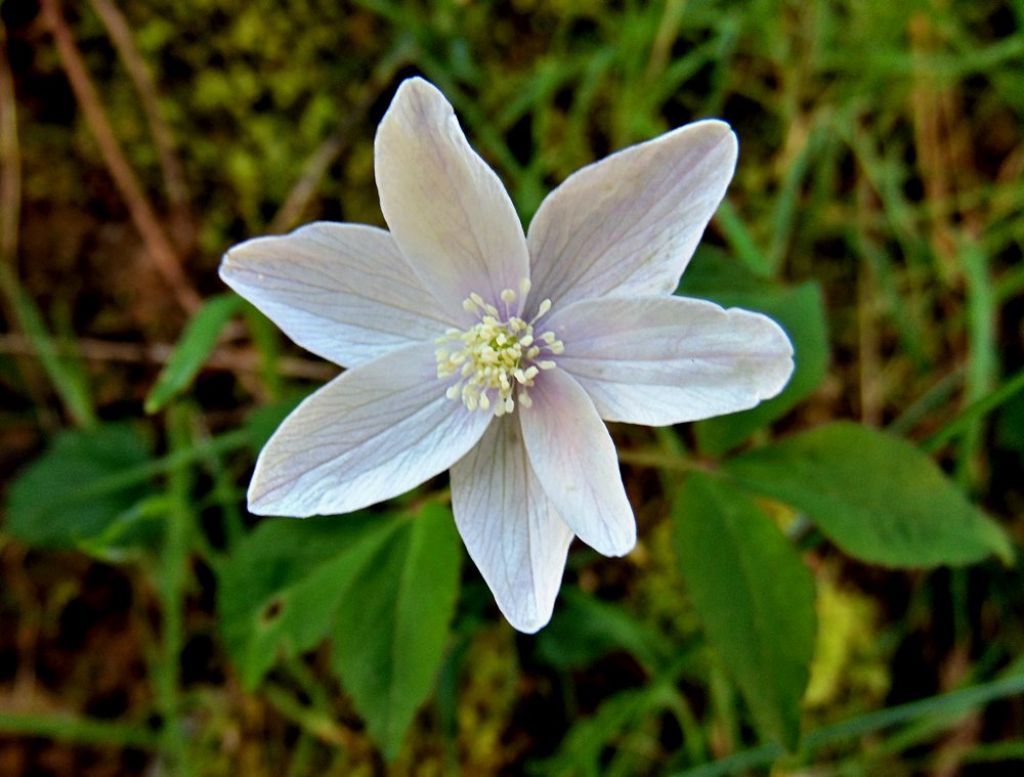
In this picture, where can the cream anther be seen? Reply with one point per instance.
(495, 360)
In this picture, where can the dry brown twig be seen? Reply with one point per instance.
(226, 357)
(145, 87)
(10, 159)
(158, 247)
(871, 391)
(313, 171)
(10, 219)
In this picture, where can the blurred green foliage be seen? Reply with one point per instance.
(877, 212)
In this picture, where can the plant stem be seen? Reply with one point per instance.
(173, 581)
(973, 412)
(71, 728)
(951, 704)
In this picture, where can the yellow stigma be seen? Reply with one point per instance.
(496, 359)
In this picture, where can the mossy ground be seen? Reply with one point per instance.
(881, 156)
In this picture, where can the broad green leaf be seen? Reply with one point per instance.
(383, 588)
(195, 346)
(754, 595)
(71, 493)
(713, 272)
(281, 589)
(393, 624)
(800, 310)
(876, 496)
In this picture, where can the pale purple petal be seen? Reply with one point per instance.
(375, 432)
(628, 224)
(342, 291)
(448, 211)
(575, 460)
(665, 360)
(511, 529)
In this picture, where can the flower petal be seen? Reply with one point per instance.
(372, 433)
(448, 211)
(665, 360)
(575, 460)
(511, 529)
(628, 224)
(342, 291)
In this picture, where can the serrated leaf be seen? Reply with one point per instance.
(383, 588)
(195, 346)
(874, 495)
(60, 500)
(393, 624)
(754, 595)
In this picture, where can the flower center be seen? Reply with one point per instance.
(497, 357)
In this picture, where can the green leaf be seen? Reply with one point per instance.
(55, 502)
(876, 496)
(800, 310)
(195, 346)
(393, 624)
(382, 587)
(280, 590)
(713, 272)
(754, 595)
(66, 374)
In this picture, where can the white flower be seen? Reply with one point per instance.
(472, 346)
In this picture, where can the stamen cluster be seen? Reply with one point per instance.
(496, 357)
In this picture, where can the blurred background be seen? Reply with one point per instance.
(879, 186)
